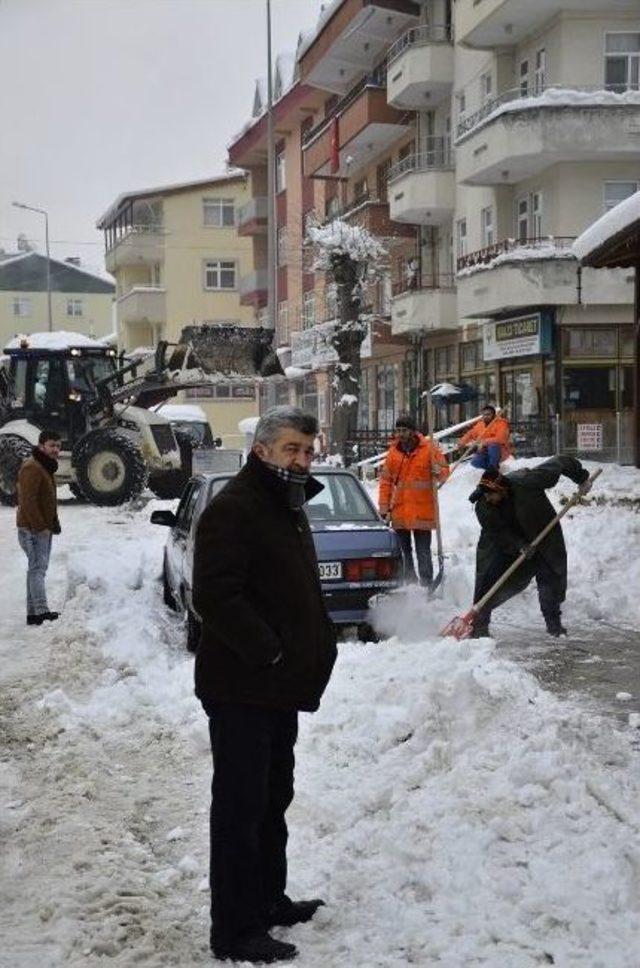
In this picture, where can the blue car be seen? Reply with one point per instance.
(358, 555)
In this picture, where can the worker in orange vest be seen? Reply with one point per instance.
(491, 435)
(412, 469)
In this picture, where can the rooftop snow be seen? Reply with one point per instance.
(523, 253)
(231, 175)
(60, 340)
(620, 217)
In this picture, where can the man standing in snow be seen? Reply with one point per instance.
(266, 652)
(512, 510)
(413, 467)
(37, 521)
(490, 436)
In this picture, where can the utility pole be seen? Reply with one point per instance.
(272, 242)
(41, 211)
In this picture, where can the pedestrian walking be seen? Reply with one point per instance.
(512, 510)
(412, 469)
(37, 521)
(491, 436)
(266, 653)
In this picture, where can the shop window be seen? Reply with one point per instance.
(583, 341)
(589, 387)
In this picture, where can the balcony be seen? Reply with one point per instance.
(143, 304)
(521, 274)
(512, 138)
(429, 306)
(364, 126)
(352, 38)
(136, 245)
(254, 289)
(420, 68)
(252, 217)
(372, 214)
(422, 187)
(485, 24)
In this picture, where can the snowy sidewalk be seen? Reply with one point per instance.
(450, 809)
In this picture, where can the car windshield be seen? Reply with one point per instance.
(341, 500)
(199, 433)
(85, 371)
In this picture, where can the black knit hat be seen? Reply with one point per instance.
(405, 422)
(492, 480)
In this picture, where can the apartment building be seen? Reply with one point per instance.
(178, 259)
(81, 299)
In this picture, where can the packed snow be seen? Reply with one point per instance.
(616, 220)
(547, 249)
(449, 809)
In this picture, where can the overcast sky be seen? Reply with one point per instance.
(98, 97)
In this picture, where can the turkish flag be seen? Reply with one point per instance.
(335, 146)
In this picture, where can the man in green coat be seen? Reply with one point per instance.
(512, 510)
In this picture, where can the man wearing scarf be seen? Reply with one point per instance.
(266, 653)
(37, 521)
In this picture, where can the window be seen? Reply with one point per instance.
(486, 87)
(461, 103)
(74, 307)
(360, 189)
(540, 78)
(445, 361)
(282, 246)
(283, 323)
(219, 212)
(281, 179)
(622, 62)
(21, 306)
(616, 192)
(219, 275)
(461, 237)
(471, 356)
(332, 208)
(382, 176)
(486, 221)
(579, 341)
(331, 302)
(406, 151)
(308, 309)
(522, 219)
(536, 214)
(524, 78)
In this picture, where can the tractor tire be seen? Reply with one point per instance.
(13, 451)
(110, 468)
(167, 486)
(77, 493)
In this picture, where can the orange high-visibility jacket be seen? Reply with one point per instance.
(407, 485)
(497, 431)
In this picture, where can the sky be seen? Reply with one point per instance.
(98, 97)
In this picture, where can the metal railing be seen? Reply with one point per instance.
(419, 283)
(465, 125)
(490, 252)
(420, 37)
(149, 229)
(256, 208)
(437, 154)
(376, 79)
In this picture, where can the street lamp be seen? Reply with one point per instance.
(272, 241)
(41, 211)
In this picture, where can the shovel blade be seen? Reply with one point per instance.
(459, 627)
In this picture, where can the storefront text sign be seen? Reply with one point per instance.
(521, 336)
(589, 436)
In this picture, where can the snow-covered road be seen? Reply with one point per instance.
(450, 809)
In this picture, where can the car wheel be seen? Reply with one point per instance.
(194, 629)
(366, 633)
(167, 594)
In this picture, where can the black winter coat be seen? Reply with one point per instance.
(509, 526)
(257, 590)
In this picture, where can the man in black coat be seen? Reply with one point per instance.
(512, 510)
(266, 652)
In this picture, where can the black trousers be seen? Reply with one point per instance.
(551, 591)
(252, 787)
(423, 555)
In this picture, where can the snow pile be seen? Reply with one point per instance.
(619, 218)
(547, 249)
(338, 238)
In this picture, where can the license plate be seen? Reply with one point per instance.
(330, 570)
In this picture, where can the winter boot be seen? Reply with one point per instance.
(555, 626)
(481, 626)
(258, 949)
(35, 619)
(50, 616)
(287, 912)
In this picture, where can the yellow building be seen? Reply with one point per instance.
(179, 261)
(81, 301)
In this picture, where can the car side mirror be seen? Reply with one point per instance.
(167, 518)
(217, 442)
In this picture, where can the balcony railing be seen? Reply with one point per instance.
(129, 231)
(419, 37)
(542, 245)
(377, 79)
(438, 280)
(557, 95)
(436, 155)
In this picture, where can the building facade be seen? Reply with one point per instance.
(81, 300)
(179, 260)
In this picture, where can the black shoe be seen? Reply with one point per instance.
(36, 619)
(287, 912)
(50, 616)
(480, 632)
(556, 629)
(256, 948)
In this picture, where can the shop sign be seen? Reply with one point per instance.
(589, 436)
(520, 336)
(312, 347)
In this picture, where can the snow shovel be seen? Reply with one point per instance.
(461, 626)
(466, 454)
